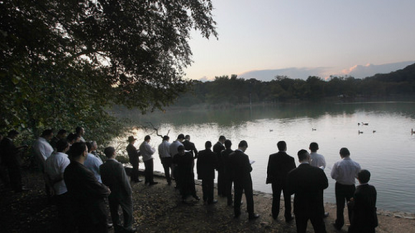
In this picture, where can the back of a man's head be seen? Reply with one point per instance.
(77, 149)
(302, 155)
(61, 145)
(109, 151)
(363, 176)
(344, 152)
(282, 146)
(313, 146)
(208, 145)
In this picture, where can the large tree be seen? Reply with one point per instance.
(64, 61)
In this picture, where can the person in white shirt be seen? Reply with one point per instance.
(317, 160)
(147, 152)
(54, 168)
(165, 157)
(42, 147)
(92, 162)
(345, 173)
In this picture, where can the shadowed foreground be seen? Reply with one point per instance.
(159, 208)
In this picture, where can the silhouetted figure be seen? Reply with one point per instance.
(218, 148)
(206, 164)
(147, 152)
(165, 157)
(133, 155)
(226, 170)
(279, 164)
(185, 175)
(363, 206)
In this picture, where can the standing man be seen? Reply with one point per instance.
(363, 205)
(59, 136)
(80, 132)
(133, 155)
(307, 183)
(241, 174)
(279, 165)
(114, 176)
(206, 164)
(92, 162)
(165, 157)
(173, 151)
(218, 148)
(190, 146)
(86, 193)
(55, 166)
(184, 161)
(10, 158)
(317, 160)
(344, 172)
(147, 151)
(42, 147)
(226, 169)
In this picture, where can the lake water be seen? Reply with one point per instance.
(385, 147)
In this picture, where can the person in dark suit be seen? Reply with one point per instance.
(11, 161)
(133, 155)
(85, 192)
(363, 206)
(190, 146)
(307, 184)
(218, 148)
(279, 164)
(228, 179)
(241, 175)
(113, 175)
(206, 164)
(184, 161)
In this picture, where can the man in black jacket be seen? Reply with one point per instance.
(113, 175)
(206, 164)
(279, 164)
(307, 183)
(241, 175)
(133, 155)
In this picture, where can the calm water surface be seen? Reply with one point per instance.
(386, 147)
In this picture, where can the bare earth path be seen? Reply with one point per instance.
(159, 208)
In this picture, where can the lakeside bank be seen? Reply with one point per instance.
(159, 208)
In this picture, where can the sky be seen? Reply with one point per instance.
(319, 37)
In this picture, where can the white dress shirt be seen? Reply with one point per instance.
(146, 151)
(164, 149)
(55, 166)
(317, 160)
(345, 171)
(42, 148)
(93, 163)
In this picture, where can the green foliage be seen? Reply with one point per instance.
(63, 63)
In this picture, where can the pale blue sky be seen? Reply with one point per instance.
(331, 34)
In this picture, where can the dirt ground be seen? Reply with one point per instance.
(159, 208)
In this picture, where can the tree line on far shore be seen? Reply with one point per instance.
(282, 89)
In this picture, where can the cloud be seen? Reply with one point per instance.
(357, 71)
(293, 73)
(363, 71)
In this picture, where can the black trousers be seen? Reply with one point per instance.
(167, 166)
(207, 188)
(127, 211)
(316, 220)
(276, 196)
(343, 195)
(241, 187)
(221, 182)
(134, 172)
(148, 172)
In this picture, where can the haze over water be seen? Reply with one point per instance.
(386, 147)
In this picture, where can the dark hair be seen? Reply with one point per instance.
(344, 151)
(77, 149)
(109, 151)
(12, 133)
(72, 137)
(363, 176)
(228, 143)
(89, 145)
(222, 138)
(181, 136)
(146, 137)
(78, 129)
(61, 145)
(165, 138)
(282, 145)
(302, 154)
(208, 145)
(61, 131)
(187, 136)
(180, 148)
(47, 132)
(313, 146)
(243, 143)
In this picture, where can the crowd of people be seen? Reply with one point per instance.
(83, 186)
